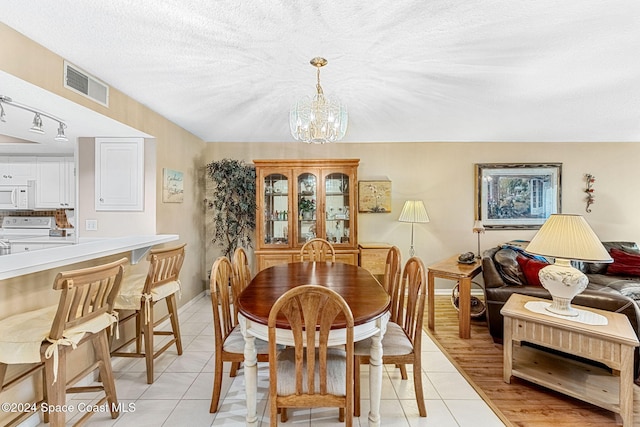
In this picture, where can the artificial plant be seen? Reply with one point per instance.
(233, 200)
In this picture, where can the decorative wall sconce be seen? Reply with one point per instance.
(589, 190)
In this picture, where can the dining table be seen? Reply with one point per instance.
(367, 299)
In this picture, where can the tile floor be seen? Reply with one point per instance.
(181, 393)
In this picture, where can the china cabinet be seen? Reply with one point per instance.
(298, 200)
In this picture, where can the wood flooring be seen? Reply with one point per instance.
(520, 403)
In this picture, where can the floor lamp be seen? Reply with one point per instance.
(413, 211)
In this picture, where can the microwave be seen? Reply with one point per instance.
(13, 197)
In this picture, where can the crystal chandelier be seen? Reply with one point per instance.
(319, 119)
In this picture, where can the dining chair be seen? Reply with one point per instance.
(241, 276)
(140, 293)
(391, 279)
(229, 342)
(311, 373)
(45, 337)
(317, 250)
(402, 342)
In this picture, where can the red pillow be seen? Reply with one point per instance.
(624, 263)
(530, 268)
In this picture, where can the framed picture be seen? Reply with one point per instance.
(517, 195)
(172, 186)
(374, 196)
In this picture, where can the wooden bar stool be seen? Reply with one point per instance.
(44, 337)
(141, 293)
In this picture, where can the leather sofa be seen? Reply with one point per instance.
(503, 277)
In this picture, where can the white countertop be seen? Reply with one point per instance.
(44, 259)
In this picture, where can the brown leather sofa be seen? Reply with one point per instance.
(502, 278)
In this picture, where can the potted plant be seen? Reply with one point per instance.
(307, 207)
(233, 200)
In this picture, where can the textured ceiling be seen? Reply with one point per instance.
(408, 70)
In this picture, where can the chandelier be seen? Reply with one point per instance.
(319, 119)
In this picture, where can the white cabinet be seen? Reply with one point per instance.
(55, 186)
(119, 174)
(17, 170)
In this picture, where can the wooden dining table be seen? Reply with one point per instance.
(367, 299)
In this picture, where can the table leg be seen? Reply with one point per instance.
(375, 373)
(626, 386)
(250, 374)
(464, 315)
(507, 354)
(430, 303)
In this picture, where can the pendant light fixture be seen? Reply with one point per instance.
(36, 125)
(320, 119)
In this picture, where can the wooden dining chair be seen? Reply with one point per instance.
(317, 250)
(241, 276)
(140, 293)
(229, 342)
(391, 280)
(402, 342)
(45, 337)
(311, 374)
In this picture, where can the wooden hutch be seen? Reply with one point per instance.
(298, 200)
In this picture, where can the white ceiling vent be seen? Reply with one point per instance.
(81, 82)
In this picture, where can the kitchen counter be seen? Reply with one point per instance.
(19, 264)
(68, 240)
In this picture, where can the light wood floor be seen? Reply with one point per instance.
(519, 403)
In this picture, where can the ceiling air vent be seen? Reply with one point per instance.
(81, 82)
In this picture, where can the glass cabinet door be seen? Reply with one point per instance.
(276, 209)
(336, 205)
(307, 207)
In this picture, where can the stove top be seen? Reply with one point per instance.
(27, 225)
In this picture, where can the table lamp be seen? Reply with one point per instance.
(566, 237)
(413, 211)
(478, 228)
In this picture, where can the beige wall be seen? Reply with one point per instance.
(442, 174)
(173, 148)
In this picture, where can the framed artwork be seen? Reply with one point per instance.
(172, 186)
(374, 196)
(517, 195)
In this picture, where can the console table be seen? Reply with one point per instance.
(451, 269)
(611, 345)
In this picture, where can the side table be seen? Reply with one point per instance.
(611, 345)
(451, 269)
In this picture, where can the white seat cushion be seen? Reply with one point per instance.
(22, 335)
(235, 343)
(130, 295)
(394, 343)
(336, 372)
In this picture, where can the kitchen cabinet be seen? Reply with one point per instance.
(298, 200)
(55, 183)
(119, 174)
(17, 170)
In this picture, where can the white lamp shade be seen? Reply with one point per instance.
(413, 211)
(478, 227)
(568, 237)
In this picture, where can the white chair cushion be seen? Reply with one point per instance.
(22, 335)
(394, 343)
(235, 343)
(336, 372)
(130, 295)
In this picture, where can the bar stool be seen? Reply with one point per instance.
(44, 337)
(141, 293)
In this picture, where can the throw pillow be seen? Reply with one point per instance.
(530, 268)
(601, 268)
(624, 263)
(508, 267)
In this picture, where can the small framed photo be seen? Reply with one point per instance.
(172, 186)
(517, 195)
(374, 196)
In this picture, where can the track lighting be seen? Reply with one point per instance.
(36, 126)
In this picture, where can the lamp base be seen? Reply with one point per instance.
(563, 283)
(562, 307)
